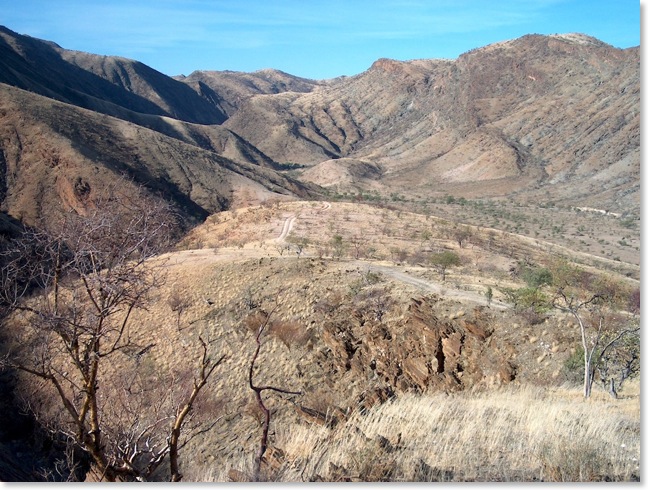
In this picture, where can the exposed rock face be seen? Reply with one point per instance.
(418, 353)
(499, 120)
(228, 89)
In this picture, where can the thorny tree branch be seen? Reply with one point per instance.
(206, 369)
(79, 283)
(258, 390)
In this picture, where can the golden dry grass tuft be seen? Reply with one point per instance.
(511, 434)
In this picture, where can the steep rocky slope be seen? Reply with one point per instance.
(347, 337)
(77, 119)
(228, 89)
(111, 85)
(539, 115)
(54, 154)
(350, 338)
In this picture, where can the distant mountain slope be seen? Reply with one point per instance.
(176, 99)
(100, 83)
(554, 113)
(228, 89)
(538, 118)
(53, 154)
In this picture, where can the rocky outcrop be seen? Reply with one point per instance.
(420, 352)
(500, 120)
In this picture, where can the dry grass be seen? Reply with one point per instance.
(513, 434)
(375, 233)
(520, 435)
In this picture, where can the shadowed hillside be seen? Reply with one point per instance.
(55, 155)
(100, 83)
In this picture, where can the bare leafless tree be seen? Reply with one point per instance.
(591, 301)
(298, 244)
(359, 242)
(281, 247)
(461, 235)
(263, 320)
(178, 304)
(70, 293)
(619, 359)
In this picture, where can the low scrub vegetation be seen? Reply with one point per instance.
(350, 380)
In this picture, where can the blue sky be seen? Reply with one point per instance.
(310, 38)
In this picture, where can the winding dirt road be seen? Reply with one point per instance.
(286, 229)
(396, 273)
(427, 286)
(206, 256)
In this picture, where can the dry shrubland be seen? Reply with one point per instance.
(402, 377)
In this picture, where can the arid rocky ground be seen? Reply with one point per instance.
(321, 202)
(351, 332)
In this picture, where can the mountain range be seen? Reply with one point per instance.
(535, 119)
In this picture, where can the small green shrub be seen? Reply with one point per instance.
(528, 298)
(536, 277)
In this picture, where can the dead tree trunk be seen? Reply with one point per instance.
(258, 390)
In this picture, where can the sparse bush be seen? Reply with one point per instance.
(489, 295)
(582, 463)
(573, 366)
(398, 254)
(634, 301)
(531, 316)
(630, 223)
(367, 279)
(418, 257)
(620, 362)
(373, 304)
(338, 246)
(444, 261)
(291, 333)
(178, 303)
(461, 235)
(329, 304)
(591, 301)
(536, 277)
(298, 244)
(528, 298)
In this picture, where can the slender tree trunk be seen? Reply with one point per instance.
(587, 385)
(613, 392)
(587, 358)
(57, 276)
(263, 446)
(176, 476)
